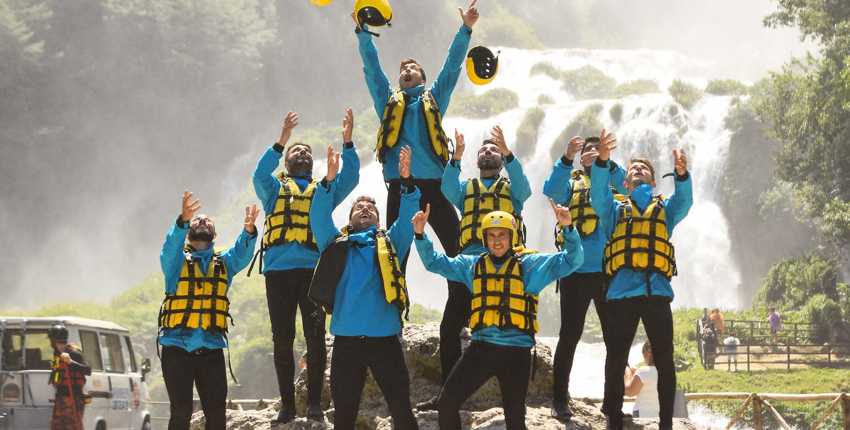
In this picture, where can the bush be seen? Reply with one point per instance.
(587, 82)
(726, 87)
(791, 283)
(684, 93)
(616, 112)
(633, 88)
(545, 99)
(584, 124)
(491, 103)
(526, 133)
(546, 68)
(824, 311)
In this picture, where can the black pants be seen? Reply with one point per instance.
(511, 365)
(352, 356)
(444, 220)
(205, 370)
(286, 291)
(577, 291)
(624, 316)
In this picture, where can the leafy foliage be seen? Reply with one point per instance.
(793, 282)
(634, 88)
(526, 133)
(584, 124)
(726, 87)
(545, 99)
(491, 103)
(684, 93)
(587, 82)
(616, 112)
(546, 68)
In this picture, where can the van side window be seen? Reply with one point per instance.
(111, 346)
(129, 357)
(91, 348)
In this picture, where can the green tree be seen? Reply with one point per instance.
(791, 283)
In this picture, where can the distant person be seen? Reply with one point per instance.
(704, 320)
(718, 320)
(290, 255)
(640, 260)
(709, 346)
(775, 324)
(505, 282)
(68, 376)
(731, 344)
(642, 383)
(193, 335)
(360, 270)
(475, 198)
(570, 186)
(411, 116)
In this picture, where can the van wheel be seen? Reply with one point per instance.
(100, 425)
(146, 425)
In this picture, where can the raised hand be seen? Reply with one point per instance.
(498, 137)
(251, 216)
(562, 213)
(574, 147)
(470, 15)
(290, 122)
(189, 207)
(681, 161)
(347, 126)
(460, 145)
(606, 145)
(404, 162)
(333, 164)
(420, 219)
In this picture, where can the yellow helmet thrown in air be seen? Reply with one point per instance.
(497, 219)
(481, 65)
(374, 13)
(321, 2)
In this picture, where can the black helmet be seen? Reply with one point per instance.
(58, 333)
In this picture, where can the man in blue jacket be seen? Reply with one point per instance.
(193, 317)
(290, 256)
(571, 188)
(639, 259)
(361, 270)
(505, 282)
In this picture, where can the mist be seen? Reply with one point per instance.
(109, 110)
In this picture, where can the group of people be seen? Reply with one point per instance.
(613, 249)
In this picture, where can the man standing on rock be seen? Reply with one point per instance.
(570, 187)
(639, 259)
(194, 316)
(505, 282)
(360, 277)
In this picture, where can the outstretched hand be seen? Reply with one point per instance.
(290, 122)
(562, 213)
(347, 126)
(251, 213)
(606, 145)
(681, 162)
(189, 207)
(460, 145)
(498, 137)
(470, 15)
(404, 162)
(574, 147)
(333, 164)
(420, 219)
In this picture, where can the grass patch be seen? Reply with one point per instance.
(489, 104)
(726, 87)
(633, 88)
(616, 112)
(526, 133)
(546, 68)
(684, 93)
(545, 99)
(587, 82)
(584, 124)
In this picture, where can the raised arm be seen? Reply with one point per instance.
(239, 256)
(171, 256)
(601, 198)
(266, 185)
(349, 174)
(451, 186)
(447, 78)
(679, 204)
(520, 188)
(456, 269)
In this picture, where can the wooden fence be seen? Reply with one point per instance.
(762, 401)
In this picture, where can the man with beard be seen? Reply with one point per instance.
(475, 198)
(361, 272)
(193, 317)
(571, 188)
(290, 255)
(640, 262)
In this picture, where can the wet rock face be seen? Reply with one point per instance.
(482, 411)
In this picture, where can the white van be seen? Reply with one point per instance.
(116, 384)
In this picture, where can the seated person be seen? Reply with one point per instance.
(642, 383)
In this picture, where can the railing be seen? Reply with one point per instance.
(778, 356)
(758, 332)
(762, 401)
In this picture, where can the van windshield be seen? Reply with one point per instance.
(35, 355)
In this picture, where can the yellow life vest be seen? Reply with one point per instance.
(584, 217)
(499, 297)
(394, 116)
(331, 265)
(200, 301)
(479, 201)
(640, 241)
(290, 221)
(63, 374)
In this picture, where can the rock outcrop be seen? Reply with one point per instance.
(482, 410)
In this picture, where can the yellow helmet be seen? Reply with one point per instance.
(321, 2)
(374, 13)
(481, 65)
(496, 219)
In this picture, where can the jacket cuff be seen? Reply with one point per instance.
(347, 145)
(180, 222)
(455, 163)
(510, 158)
(419, 236)
(407, 184)
(566, 161)
(601, 163)
(683, 177)
(278, 147)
